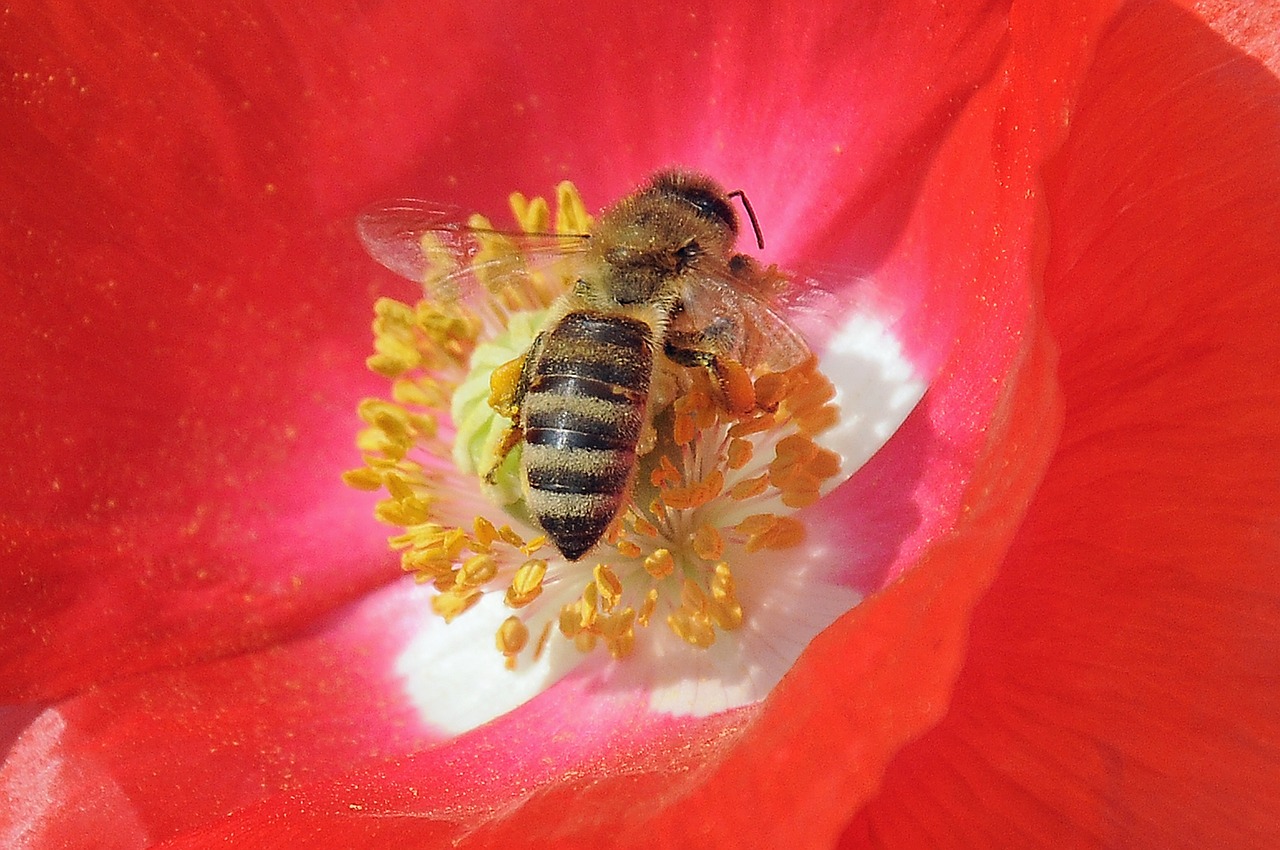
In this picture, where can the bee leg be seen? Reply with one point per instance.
(510, 439)
(736, 391)
(507, 387)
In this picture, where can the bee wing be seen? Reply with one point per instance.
(740, 323)
(434, 245)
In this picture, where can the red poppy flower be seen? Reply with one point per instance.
(1071, 628)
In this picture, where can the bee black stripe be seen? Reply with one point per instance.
(578, 386)
(617, 331)
(608, 349)
(558, 438)
(562, 479)
(623, 422)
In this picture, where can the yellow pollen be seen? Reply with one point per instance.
(749, 487)
(660, 563)
(608, 587)
(450, 603)
(708, 543)
(629, 549)
(642, 526)
(485, 531)
(477, 570)
(727, 452)
(526, 585)
(694, 495)
(740, 452)
(512, 637)
(647, 607)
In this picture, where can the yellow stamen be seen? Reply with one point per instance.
(608, 587)
(526, 585)
(659, 563)
(512, 636)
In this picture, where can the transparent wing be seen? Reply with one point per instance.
(434, 245)
(738, 319)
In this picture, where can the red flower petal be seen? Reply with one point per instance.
(178, 416)
(1119, 689)
(150, 755)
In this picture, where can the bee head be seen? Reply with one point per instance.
(677, 226)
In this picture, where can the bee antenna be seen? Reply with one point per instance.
(751, 214)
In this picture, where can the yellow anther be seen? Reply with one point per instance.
(643, 527)
(684, 429)
(410, 511)
(707, 542)
(739, 454)
(485, 531)
(526, 584)
(393, 311)
(727, 615)
(571, 212)
(618, 631)
(725, 609)
(628, 549)
(477, 570)
(533, 215)
(818, 421)
(694, 495)
(749, 488)
(692, 627)
(363, 478)
(754, 425)
(770, 389)
(570, 620)
(756, 524)
(511, 538)
(722, 583)
(784, 533)
(647, 607)
(411, 392)
(588, 605)
(613, 533)
(660, 563)
(692, 597)
(511, 638)
(452, 603)
(665, 474)
(608, 587)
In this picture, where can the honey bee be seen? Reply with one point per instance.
(657, 287)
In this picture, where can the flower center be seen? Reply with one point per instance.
(726, 456)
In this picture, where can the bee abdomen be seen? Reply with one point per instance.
(582, 417)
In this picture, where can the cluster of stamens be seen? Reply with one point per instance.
(716, 487)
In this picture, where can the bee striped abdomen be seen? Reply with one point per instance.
(582, 417)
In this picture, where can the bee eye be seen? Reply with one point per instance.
(687, 253)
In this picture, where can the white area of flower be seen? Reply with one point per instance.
(459, 681)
